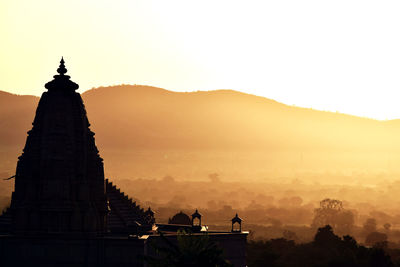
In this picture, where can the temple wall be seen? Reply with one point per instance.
(75, 252)
(234, 246)
(99, 252)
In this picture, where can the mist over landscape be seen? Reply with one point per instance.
(224, 152)
(239, 136)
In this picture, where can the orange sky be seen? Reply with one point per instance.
(329, 55)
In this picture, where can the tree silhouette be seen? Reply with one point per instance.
(214, 177)
(290, 235)
(369, 226)
(326, 237)
(327, 250)
(331, 213)
(376, 238)
(387, 226)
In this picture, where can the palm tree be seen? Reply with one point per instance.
(189, 251)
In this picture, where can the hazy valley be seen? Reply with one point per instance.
(225, 151)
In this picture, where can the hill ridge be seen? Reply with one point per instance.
(154, 131)
(215, 91)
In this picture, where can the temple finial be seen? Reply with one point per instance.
(62, 70)
(61, 81)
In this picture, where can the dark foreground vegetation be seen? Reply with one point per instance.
(189, 250)
(327, 249)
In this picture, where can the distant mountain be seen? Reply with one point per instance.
(16, 115)
(148, 117)
(148, 131)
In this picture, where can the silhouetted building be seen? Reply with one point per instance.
(63, 212)
(233, 242)
(59, 182)
(180, 218)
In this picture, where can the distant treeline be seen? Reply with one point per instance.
(325, 250)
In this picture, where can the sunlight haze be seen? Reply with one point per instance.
(328, 55)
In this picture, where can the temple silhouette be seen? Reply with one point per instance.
(64, 212)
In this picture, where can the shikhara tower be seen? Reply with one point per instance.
(64, 213)
(59, 183)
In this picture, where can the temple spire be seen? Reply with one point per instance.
(61, 81)
(62, 70)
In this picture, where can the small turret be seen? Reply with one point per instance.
(236, 224)
(196, 221)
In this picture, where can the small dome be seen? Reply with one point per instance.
(180, 218)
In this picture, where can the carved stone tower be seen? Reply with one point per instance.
(59, 183)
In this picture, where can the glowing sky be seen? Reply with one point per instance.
(329, 55)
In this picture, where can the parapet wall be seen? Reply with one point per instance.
(63, 252)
